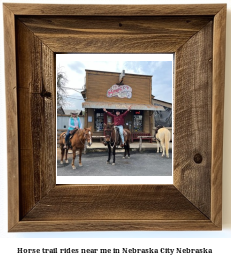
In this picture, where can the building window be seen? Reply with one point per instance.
(109, 119)
(99, 120)
(138, 121)
(163, 118)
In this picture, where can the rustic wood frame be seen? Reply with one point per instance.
(33, 33)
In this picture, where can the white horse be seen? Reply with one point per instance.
(163, 138)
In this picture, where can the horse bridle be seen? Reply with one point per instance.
(107, 131)
(109, 135)
(86, 135)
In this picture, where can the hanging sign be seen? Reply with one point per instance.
(121, 91)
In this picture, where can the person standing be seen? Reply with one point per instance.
(74, 123)
(119, 121)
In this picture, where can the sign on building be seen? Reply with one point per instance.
(121, 91)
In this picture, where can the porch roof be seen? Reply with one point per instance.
(122, 106)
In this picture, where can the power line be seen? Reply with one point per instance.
(70, 88)
(75, 98)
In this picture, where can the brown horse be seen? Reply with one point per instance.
(64, 151)
(77, 142)
(112, 139)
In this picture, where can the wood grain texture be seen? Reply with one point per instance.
(116, 207)
(12, 117)
(115, 34)
(113, 202)
(218, 115)
(193, 113)
(114, 225)
(36, 118)
(115, 10)
(194, 201)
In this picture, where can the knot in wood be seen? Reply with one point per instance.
(198, 158)
(45, 94)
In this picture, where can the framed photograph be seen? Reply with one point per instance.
(92, 82)
(33, 35)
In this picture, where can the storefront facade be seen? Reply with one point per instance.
(117, 91)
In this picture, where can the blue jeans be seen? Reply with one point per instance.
(67, 136)
(121, 128)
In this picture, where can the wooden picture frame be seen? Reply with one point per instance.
(33, 34)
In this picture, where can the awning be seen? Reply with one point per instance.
(122, 106)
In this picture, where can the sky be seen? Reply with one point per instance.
(160, 66)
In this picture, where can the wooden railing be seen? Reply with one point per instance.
(145, 136)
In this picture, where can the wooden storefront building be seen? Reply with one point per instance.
(117, 91)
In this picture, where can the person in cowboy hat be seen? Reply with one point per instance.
(74, 123)
(119, 121)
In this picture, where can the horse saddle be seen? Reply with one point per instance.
(72, 133)
(124, 131)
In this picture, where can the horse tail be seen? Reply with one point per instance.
(167, 139)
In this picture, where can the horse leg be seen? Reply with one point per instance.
(114, 148)
(125, 151)
(128, 149)
(167, 152)
(158, 146)
(167, 148)
(73, 159)
(80, 155)
(109, 152)
(163, 148)
(66, 151)
(62, 152)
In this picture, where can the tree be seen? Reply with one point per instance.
(61, 91)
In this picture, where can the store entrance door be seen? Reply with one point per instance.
(138, 121)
